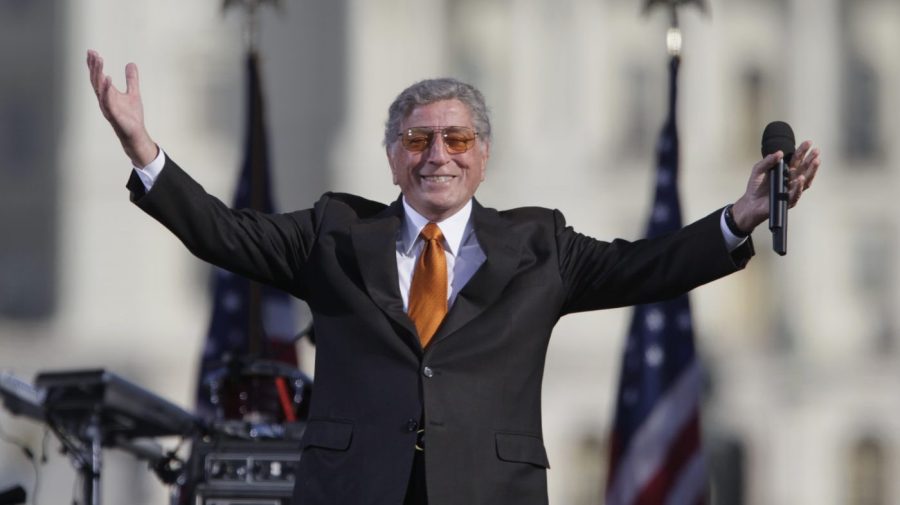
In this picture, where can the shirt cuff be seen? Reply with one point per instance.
(148, 174)
(732, 241)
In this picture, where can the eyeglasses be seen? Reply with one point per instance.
(457, 139)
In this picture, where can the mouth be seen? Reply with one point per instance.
(437, 178)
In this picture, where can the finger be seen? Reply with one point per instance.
(103, 94)
(813, 169)
(765, 164)
(95, 64)
(810, 158)
(132, 83)
(800, 154)
(795, 190)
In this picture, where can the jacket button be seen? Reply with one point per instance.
(412, 425)
(428, 372)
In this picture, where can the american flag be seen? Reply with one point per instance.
(249, 321)
(655, 450)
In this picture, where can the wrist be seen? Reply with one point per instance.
(743, 219)
(142, 153)
(732, 223)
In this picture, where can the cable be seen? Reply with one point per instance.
(76, 488)
(44, 444)
(37, 481)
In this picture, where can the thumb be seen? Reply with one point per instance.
(763, 165)
(132, 83)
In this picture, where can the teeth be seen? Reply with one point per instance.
(437, 178)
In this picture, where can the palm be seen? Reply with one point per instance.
(124, 111)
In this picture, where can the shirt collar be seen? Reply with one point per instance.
(453, 228)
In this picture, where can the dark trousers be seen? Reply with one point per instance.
(415, 493)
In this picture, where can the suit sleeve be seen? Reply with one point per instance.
(269, 248)
(598, 274)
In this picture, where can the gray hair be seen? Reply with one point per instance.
(435, 90)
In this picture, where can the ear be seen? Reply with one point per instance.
(486, 155)
(388, 151)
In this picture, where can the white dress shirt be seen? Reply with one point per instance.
(464, 254)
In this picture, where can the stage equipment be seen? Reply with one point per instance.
(232, 471)
(21, 398)
(92, 409)
(258, 391)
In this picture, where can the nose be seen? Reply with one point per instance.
(437, 151)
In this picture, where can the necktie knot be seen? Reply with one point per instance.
(432, 232)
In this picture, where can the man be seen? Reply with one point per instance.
(424, 397)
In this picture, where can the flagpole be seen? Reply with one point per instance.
(258, 153)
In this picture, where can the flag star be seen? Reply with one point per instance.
(654, 355)
(661, 212)
(684, 320)
(655, 320)
(232, 301)
(664, 177)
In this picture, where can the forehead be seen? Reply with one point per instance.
(441, 113)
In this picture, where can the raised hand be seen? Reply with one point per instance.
(753, 207)
(124, 111)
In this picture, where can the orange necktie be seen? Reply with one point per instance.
(428, 292)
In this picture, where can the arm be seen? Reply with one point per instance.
(269, 248)
(599, 275)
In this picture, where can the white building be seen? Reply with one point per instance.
(802, 350)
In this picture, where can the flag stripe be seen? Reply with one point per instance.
(690, 487)
(679, 456)
(650, 444)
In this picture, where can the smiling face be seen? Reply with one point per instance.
(435, 183)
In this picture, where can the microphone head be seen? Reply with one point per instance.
(778, 136)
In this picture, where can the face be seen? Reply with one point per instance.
(434, 182)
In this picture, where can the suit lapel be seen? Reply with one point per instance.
(502, 251)
(375, 245)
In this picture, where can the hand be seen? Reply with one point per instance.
(124, 111)
(752, 208)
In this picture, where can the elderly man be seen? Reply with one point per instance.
(433, 313)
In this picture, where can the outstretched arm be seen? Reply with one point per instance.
(124, 111)
(752, 208)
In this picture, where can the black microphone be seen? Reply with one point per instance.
(12, 496)
(778, 136)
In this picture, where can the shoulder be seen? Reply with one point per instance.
(349, 204)
(524, 216)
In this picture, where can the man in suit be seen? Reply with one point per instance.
(424, 397)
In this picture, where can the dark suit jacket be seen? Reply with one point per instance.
(479, 382)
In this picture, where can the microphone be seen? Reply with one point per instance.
(12, 496)
(778, 136)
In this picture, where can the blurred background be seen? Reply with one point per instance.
(801, 351)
